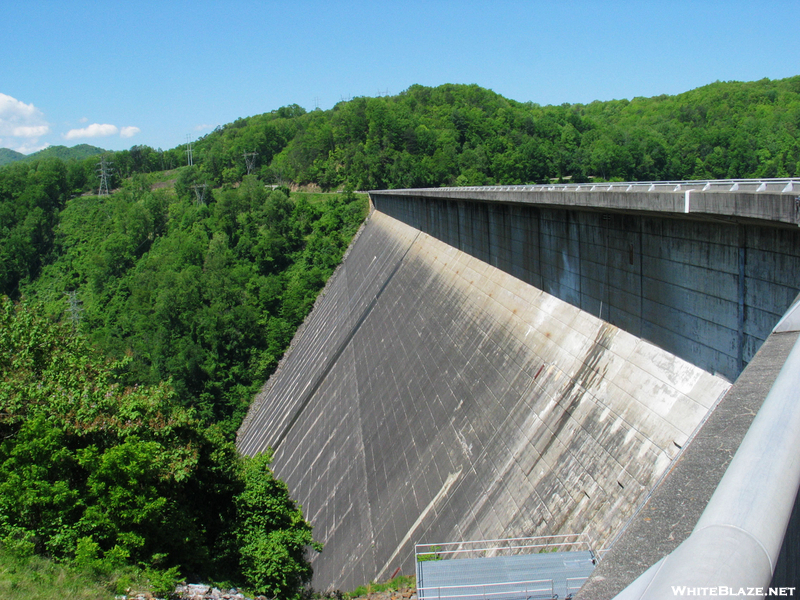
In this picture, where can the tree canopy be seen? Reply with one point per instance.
(145, 321)
(468, 135)
(103, 474)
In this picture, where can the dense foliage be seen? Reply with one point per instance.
(467, 135)
(193, 294)
(106, 475)
(8, 156)
(91, 466)
(208, 294)
(272, 534)
(30, 199)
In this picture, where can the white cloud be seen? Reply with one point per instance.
(31, 131)
(20, 120)
(12, 110)
(93, 130)
(30, 147)
(127, 132)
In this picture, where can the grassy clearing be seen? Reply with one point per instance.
(320, 197)
(163, 176)
(36, 578)
(398, 583)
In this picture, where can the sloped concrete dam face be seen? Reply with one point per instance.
(432, 397)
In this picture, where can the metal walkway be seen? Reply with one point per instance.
(529, 575)
(525, 577)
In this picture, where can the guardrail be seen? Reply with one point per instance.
(778, 185)
(551, 543)
(536, 588)
(574, 584)
(544, 588)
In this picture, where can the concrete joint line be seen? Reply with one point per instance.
(668, 469)
(686, 200)
(340, 349)
(451, 479)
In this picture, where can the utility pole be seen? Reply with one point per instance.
(104, 171)
(200, 193)
(250, 161)
(189, 150)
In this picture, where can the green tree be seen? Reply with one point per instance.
(272, 533)
(105, 475)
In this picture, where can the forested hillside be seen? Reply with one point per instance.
(207, 294)
(74, 153)
(9, 156)
(146, 320)
(467, 135)
(126, 483)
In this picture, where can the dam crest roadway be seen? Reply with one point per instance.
(531, 361)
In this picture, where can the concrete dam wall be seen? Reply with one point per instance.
(434, 397)
(704, 275)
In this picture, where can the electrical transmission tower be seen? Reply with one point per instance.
(104, 171)
(190, 162)
(200, 192)
(250, 161)
(75, 308)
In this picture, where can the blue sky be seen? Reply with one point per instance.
(114, 74)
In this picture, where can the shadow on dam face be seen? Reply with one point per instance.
(431, 397)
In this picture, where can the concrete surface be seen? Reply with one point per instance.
(672, 511)
(774, 201)
(701, 285)
(435, 397)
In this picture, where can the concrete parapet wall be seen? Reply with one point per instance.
(435, 397)
(776, 203)
(706, 288)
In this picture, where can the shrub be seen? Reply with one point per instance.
(273, 535)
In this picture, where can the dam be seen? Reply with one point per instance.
(521, 361)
